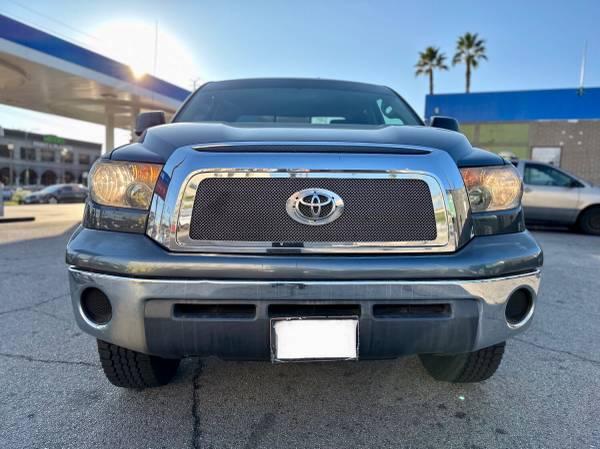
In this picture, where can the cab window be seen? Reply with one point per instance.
(297, 104)
(542, 175)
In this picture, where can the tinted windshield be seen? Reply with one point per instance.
(50, 189)
(306, 105)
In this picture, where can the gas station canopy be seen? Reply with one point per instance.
(44, 73)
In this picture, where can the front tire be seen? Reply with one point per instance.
(589, 221)
(52, 200)
(464, 368)
(130, 369)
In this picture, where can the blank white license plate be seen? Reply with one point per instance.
(314, 339)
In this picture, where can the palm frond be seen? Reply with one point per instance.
(429, 60)
(469, 48)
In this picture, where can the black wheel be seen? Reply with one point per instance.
(589, 221)
(131, 369)
(462, 368)
(52, 200)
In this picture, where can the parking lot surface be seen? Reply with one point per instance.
(546, 393)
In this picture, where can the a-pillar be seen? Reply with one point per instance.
(135, 111)
(109, 129)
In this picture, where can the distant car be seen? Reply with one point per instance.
(554, 196)
(7, 193)
(58, 193)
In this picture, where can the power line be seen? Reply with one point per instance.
(46, 16)
(45, 29)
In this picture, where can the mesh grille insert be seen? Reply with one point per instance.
(254, 210)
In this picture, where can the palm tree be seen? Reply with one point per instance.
(429, 60)
(470, 50)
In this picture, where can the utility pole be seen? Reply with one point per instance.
(195, 82)
(582, 70)
(155, 48)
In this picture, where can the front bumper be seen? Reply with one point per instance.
(147, 285)
(144, 319)
(136, 255)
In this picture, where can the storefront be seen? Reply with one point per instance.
(561, 126)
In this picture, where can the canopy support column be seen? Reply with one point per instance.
(135, 111)
(109, 129)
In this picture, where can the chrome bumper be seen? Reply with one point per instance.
(129, 297)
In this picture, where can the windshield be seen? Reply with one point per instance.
(50, 189)
(305, 105)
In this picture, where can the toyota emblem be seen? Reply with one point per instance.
(315, 206)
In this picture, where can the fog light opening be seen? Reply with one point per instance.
(519, 308)
(96, 306)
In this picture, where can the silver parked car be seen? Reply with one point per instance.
(554, 196)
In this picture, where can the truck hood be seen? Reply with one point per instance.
(158, 143)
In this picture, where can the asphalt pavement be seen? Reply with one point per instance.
(546, 393)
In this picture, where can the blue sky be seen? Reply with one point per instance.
(531, 44)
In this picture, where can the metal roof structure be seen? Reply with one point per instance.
(527, 105)
(42, 72)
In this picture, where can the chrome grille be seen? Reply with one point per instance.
(170, 219)
(254, 209)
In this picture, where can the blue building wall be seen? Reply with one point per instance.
(555, 104)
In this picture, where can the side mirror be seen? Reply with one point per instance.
(439, 121)
(147, 120)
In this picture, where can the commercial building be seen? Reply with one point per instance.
(30, 159)
(559, 126)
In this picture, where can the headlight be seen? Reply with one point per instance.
(123, 184)
(492, 188)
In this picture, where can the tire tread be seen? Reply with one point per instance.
(586, 217)
(130, 369)
(482, 364)
(475, 366)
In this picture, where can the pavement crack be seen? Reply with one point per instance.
(56, 317)
(196, 406)
(572, 309)
(47, 361)
(559, 351)
(33, 306)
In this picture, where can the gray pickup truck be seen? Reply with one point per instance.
(301, 220)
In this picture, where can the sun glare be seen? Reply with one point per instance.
(138, 72)
(134, 43)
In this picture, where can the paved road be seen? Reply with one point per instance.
(545, 395)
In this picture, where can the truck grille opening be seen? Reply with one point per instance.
(246, 209)
(411, 310)
(308, 310)
(214, 311)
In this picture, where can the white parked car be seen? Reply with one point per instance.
(554, 196)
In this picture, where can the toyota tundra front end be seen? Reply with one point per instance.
(301, 220)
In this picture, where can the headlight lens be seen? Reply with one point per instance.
(123, 184)
(492, 188)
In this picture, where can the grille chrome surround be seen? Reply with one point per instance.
(185, 242)
(170, 210)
